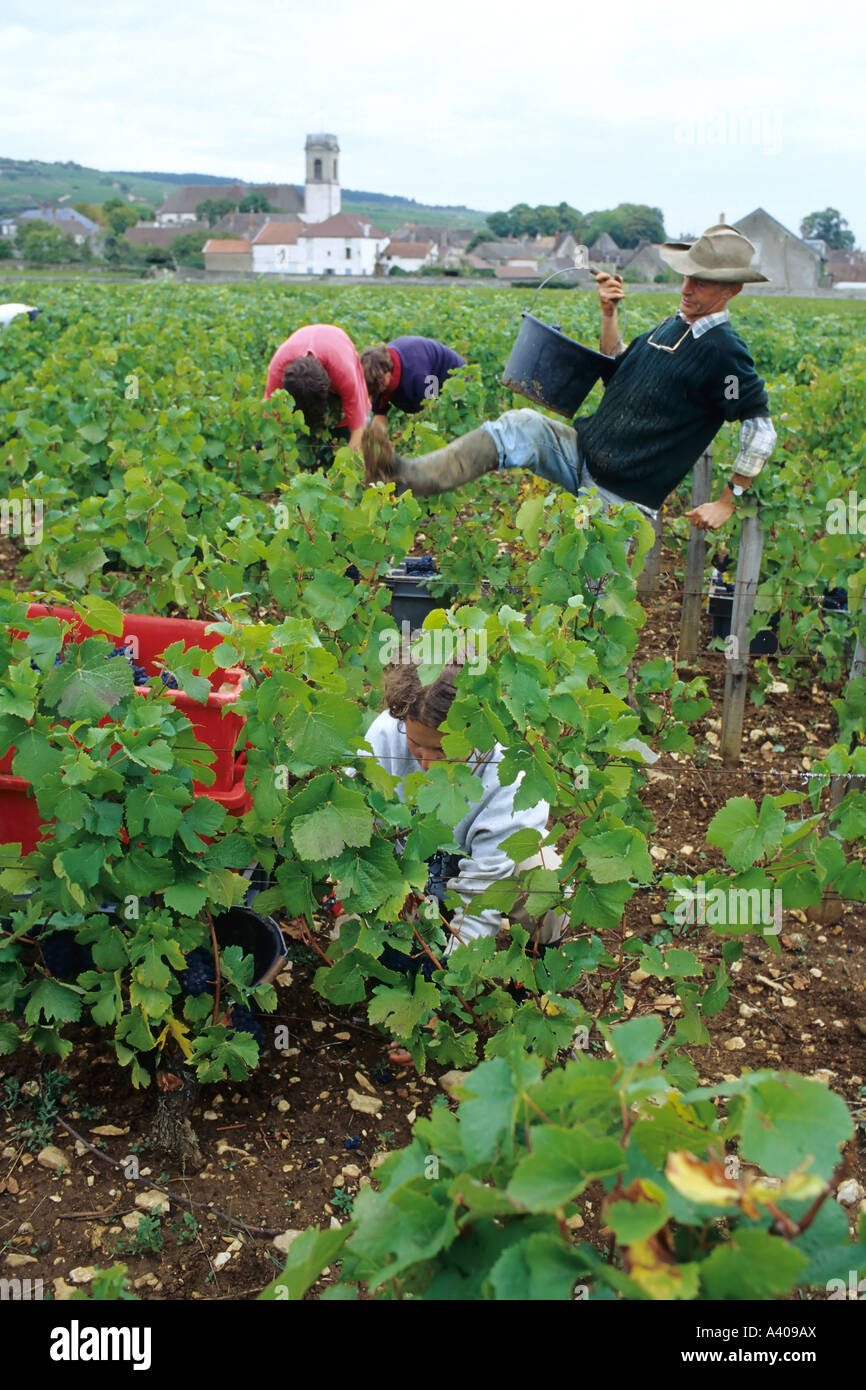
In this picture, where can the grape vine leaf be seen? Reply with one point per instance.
(754, 1264)
(743, 833)
(89, 688)
(561, 1164)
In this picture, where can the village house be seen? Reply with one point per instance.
(74, 224)
(787, 260)
(149, 234)
(227, 253)
(644, 262)
(514, 252)
(605, 251)
(274, 250)
(408, 255)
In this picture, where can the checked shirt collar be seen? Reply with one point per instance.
(708, 321)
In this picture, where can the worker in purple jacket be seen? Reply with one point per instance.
(406, 372)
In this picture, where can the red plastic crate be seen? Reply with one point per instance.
(19, 814)
(213, 722)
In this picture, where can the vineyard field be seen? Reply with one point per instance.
(670, 1105)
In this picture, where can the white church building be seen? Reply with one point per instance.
(309, 235)
(319, 200)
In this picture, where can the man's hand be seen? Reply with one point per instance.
(709, 516)
(610, 292)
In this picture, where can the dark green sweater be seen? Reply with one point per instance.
(660, 410)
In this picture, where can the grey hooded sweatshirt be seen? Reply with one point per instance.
(486, 823)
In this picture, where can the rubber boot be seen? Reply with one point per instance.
(458, 463)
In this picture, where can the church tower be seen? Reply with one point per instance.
(322, 187)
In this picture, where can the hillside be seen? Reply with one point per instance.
(25, 183)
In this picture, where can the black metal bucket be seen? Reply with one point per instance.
(257, 936)
(551, 369)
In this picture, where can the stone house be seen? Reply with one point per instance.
(605, 251)
(644, 261)
(227, 254)
(787, 260)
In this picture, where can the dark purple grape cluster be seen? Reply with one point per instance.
(836, 600)
(421, 564)
(199, 973)
(139, 674)
(382, 1075)
(353, 1142)
(243, 1021)
(63, 956)
(58, 661)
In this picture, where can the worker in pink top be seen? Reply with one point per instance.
(320, 369)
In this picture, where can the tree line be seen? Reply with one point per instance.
(628, 223)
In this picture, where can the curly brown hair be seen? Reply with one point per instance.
(309, 385)
(407, 698)
(376, 363)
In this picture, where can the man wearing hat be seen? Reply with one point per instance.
(670, 392)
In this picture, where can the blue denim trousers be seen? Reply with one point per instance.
(528, 439)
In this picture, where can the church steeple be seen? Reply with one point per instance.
(322, 186)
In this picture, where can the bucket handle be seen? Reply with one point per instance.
(567, 270)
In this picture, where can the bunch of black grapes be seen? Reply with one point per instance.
(199, 976)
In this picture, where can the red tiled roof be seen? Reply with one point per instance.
(227, 246)
(342, 224)
(409, 250)
(279, 234)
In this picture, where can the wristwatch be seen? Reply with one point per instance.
(736, 489)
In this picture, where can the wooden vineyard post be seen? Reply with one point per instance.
(648, 578)
(737, 645)
(839, 785)
(690, 621)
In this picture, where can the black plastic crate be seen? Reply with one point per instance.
(411, 600)
(765, 642)
(721, 607)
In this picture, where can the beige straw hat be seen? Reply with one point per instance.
(722, 254)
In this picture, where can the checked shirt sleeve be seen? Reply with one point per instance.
(757, 442)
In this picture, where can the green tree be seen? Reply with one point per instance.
(641, 223)
(43, 244)
(627, 223)
(522, 220)
(6, 249)
(210, 210)
(186, 250)
(119, 215)
(255, 202)
(828, 225)
(498, 224)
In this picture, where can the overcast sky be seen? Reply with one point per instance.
(696, 108)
